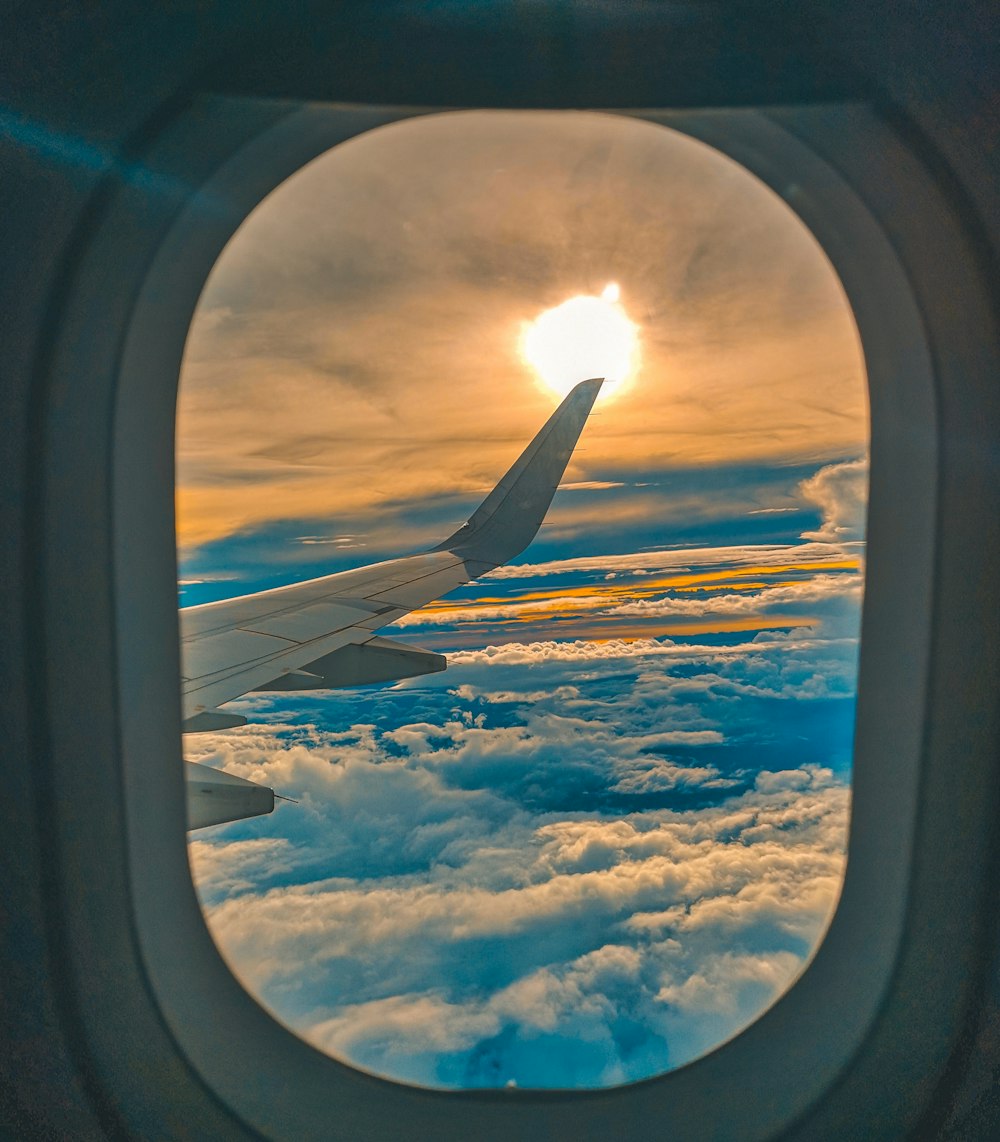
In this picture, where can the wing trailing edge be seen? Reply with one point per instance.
(360, 664)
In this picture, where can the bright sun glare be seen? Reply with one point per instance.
(584, 337)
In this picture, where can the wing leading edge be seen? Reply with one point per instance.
(321, 634)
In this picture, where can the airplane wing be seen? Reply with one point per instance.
(321, 634)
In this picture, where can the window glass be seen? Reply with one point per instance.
(612, 832)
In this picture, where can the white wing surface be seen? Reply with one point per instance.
(321, 634)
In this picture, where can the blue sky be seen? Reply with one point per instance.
(612, 831)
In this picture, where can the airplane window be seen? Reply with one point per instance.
(611, 832)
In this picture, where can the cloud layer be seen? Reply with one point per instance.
(556, 864)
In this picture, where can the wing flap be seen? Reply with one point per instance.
(361, 664)
(230, 681)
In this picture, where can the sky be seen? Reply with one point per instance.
(612, 832)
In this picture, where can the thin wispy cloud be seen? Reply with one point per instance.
(359, 322)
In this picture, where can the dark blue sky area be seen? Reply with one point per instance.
(737, 505)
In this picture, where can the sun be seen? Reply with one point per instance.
(584, 337)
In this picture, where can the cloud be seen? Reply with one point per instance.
(841, 491)
(227, 870)
(648, 597)
(680, 559)
(819, 597)
(830, 601)
(557, 864)
(683, 924)
(590, 485)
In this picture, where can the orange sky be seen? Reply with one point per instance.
(356, 347)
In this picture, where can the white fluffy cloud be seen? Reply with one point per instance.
(507, 889)
(559, 862)
(690, 922)
(841, 493)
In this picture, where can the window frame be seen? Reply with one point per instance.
(868, 200)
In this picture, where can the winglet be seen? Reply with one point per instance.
(507, 520)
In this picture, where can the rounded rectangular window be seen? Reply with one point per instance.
(606, 829)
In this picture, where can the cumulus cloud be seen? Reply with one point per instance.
(227, 870)
(678, 926)
(841, 492)
(662, 670)
(830, 604)
(556, 864)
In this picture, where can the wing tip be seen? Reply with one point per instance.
(585, 386)
(504, 524)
